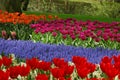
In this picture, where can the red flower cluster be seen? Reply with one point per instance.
(34, 63)
(62, 69)
(83, 67)
(19, 70)
(110, 68)
(6, 61)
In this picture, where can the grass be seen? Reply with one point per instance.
(79, 17)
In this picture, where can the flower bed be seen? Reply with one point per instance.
(55, 60)
(10, 22)
(59, 69)
(29, 49)
(15, 18)
(78, 33)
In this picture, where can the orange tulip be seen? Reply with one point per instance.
(6, 17)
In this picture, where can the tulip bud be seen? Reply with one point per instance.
(54, 34)
(4, 34)
(13, 34)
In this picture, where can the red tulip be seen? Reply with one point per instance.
(79, 60)
(4, 75)
(109, 69)
(44, 65)
(59, 62)
(58, 72)
(106, 59)
(41, 77)
(83, 72)
(6, 61)
(112, 72)
(14, 71)
(33, 63)
(92, 67)
(116, 58)
(24, 70)
(68, 70)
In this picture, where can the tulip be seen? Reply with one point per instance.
(13, 34)
(24, 70)
(57, 72)
(4, 34)
(14, 71)
(33, 63)
(6, 61)
(108, 68)
(42, 77)
(44, 65)
(106, 59)
(4, 75)
(54, 34)
(59, 62)
(83, 72)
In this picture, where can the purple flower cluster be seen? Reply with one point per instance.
(80, 29)
(29, 49)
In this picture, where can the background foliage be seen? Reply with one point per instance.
(87, 7)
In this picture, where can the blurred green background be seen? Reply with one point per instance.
(102, 8)
(106, 8)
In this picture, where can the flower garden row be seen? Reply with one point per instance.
(13, 22)
(78, 33)
(52, 29)
(46, 52)
(15, 18)
(59, 69)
